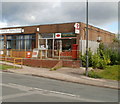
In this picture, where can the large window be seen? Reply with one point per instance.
(21, 41)
(67, 44)
(64, 44)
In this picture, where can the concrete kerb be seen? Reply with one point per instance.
(79, 81)
(74, 80)
(67, 78)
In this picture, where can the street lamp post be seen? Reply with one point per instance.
(87, 38)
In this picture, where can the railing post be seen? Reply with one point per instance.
(21, 63)
(59, 54)
(46, 53)
(25, 54)
(11, 53)
(40, 54)
(14, 63)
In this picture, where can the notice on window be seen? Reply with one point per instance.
(35, 53)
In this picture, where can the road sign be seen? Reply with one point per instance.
(57, 35)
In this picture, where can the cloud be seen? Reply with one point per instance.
(3, 24)
(30, 13)
(105, 12)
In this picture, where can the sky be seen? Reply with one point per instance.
(103, 15)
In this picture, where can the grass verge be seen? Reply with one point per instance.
(5, 67)
(110, 72)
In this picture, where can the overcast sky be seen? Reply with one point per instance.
(101, 14)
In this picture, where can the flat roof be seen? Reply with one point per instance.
(52, 24)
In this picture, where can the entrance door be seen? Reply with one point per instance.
(54, 46)
(50, 47)
(57, 47)
(33, 44)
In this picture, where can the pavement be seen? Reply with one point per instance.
(65, 74)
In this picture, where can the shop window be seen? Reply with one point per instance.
(67, 44)
(64, 44)
(21, 41)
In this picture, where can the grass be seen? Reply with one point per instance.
(5, 67)
(110, 72)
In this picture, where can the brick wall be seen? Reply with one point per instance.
(40, 63)
(74, 64)
(94, 32)
(47, 63)
(50, 63)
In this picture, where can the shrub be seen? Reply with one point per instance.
(83, 58)
(114, 57)
(94, 74)
(104, 56)
(95, 60)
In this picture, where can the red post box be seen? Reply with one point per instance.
(74, 51)
(28, 54)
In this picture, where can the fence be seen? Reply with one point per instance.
(42, 54)
(14, 53)
(93, 45)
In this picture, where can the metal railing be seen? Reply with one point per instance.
(42, 54)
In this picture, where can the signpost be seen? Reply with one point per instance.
(77, 28)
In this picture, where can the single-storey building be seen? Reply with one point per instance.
(54, 39)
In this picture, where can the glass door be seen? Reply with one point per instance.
(57, 47)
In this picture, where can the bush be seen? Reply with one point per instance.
(95, 60)
(94, 74)
(103, 57)
(111, 54)
(83, 58)
(98, 62)
(114, 57)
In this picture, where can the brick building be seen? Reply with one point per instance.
(53, 37)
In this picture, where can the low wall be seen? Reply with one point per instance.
(51, 63)
(71, 63)
(48, 63)
(40, 63)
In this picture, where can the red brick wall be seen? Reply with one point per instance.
(40, 63)
(94, 32)
(47, 63)
(71, 63)
(50, 63)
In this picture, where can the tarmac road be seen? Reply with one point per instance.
(25, 88)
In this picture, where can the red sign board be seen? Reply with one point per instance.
(57, 35)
